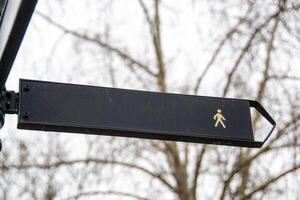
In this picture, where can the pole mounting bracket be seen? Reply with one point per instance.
(9, 104)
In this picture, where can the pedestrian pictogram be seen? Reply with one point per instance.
(219, 118)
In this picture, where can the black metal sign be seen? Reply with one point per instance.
(108, 111)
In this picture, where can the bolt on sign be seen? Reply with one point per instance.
(50, 106)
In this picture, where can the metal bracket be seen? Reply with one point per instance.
(2, 113)
(2, 108)
(266, 115)
(9, 104)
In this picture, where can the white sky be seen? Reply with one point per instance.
(187, 40)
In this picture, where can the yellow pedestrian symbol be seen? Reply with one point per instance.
(219, 118)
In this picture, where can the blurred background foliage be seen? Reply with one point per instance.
(243, 49)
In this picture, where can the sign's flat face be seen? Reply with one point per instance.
(129, 113)
(14, 18)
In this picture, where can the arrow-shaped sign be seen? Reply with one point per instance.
(50, 106)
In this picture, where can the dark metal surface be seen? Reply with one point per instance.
(3, 4)
(14, 24)
(9, 102)
(107, 111)
(2, 116)
(2, 109)
(265, 114)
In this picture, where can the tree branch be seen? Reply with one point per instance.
(109, 192)
(247, 47)
(158, 177)
(263, 186)
(197, 169)
(99, 42)
(227, 37)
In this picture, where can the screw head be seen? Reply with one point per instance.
(26, 88)
(25, 115)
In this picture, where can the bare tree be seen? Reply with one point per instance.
(252, 55)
